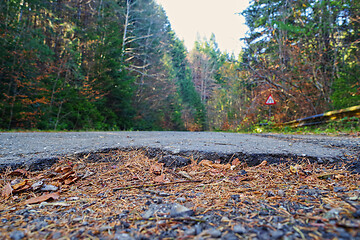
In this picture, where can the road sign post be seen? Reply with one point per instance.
(270, 101)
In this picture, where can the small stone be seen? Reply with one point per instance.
(178, 210)
(270, 194)
(320, 161)
(198, 229)
(123, 236)
(48, 187)
(17, 235)
(243, 172)
(56, 235)
(158, 200)
(327, 206)
(225, 219)
(214, 233)
(164, 194)
(356, 214)
(190, 232)
(37, 185)
(181, 199)
(175, 161)
(230, 236)
(240, 229)
(332, 214)
(276, 234)
(235, 197)
(105, 228)
(281, 193)
(77, 219)
(41, 225)
(339, 189)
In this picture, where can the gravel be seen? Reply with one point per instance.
(292, 211)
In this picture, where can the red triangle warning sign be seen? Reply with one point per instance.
(270, 100)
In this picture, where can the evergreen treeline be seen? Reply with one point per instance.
(99, 64)
(117, 65)
(305, 53)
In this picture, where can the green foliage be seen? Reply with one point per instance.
(117, 65)
(71, 66)
(190, 99)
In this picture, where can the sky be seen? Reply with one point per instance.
(191, 19)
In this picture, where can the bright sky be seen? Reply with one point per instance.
(193, 18)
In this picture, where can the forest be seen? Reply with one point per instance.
(118, 65)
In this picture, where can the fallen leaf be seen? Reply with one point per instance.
(241, 178)
(296, 169)
(235, 162)
(48, 187)
(20, 185)
(263, 164)
(7, 191)
(43, 198)
(87, 174)
(63, 169)
(160, 179)
(215, 172)
(156, 168)
(329, 175)
(206, 163)
(185, 175)
(19, 172)
(65, 176)
(70, 180)
(23, 188)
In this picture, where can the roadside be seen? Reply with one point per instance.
(152, 195)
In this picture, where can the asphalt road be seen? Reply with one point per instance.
(36, 147)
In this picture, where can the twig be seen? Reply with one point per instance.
(155, 185)
(167, 218)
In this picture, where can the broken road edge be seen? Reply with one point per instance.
(37, 164)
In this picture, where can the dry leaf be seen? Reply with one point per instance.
(295, 169)
(63, 169)
(19, 172)
(206, 163)
(156, 168)
(235, 162)
(70, 180)
(160, 179)
(7, 191)
(263, 164)
(185, 175)
(20, 185)
(65, 176)
(43, 198)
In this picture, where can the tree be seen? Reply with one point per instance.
(294, 49)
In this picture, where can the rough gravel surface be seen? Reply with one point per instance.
(36, 149)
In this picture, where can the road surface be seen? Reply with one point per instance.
(31, 148)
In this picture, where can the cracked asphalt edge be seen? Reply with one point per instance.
(211, 146)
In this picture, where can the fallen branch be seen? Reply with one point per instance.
(167, 219)
(155, 185)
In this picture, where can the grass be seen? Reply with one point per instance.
(345, 126)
